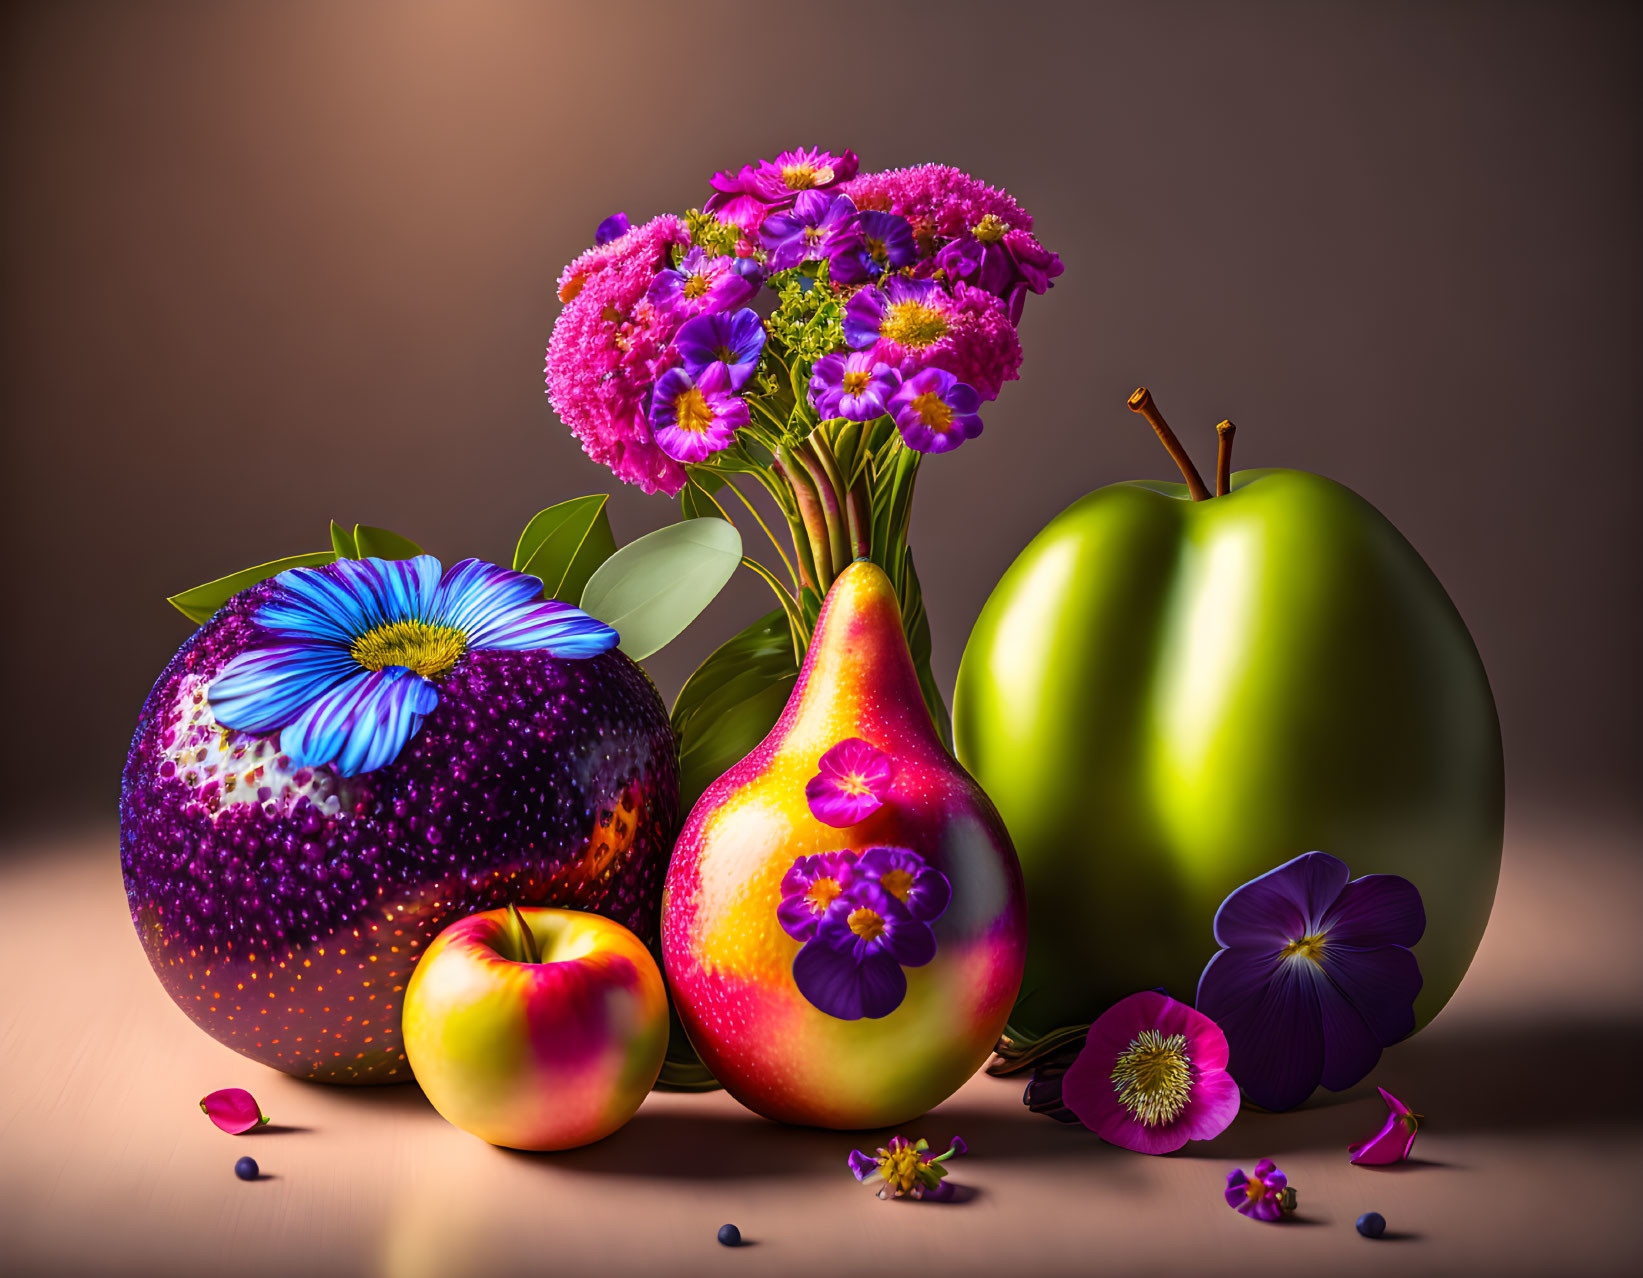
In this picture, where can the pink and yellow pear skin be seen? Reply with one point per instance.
(730, 963)
(544, 1050)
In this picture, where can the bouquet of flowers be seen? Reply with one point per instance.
(816, 330)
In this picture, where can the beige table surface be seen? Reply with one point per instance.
(1530, 1164)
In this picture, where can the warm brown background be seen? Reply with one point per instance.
(266, 264)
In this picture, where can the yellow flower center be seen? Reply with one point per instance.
(854, 384)
(1255, 1189)
(1153, 1077)
(900, 1167)
(801, 177)
(898, 883)
(855, 783)
(695, 286)
(914, 324)
(429, 650)
(934, 411)
(1308, 947)
(866, 923)
(991, 229)
(821, 893)
(692, 411)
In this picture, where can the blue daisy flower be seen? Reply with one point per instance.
(357, 647)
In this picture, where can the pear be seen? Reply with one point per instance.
(814, 1049)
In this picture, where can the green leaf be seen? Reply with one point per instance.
(342, 542)
(379, 543)
(564, 544)
(199, 603)
(731, 702)
(652, 588)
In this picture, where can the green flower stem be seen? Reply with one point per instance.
(752, 510)
(859, 507)
(832, 503)
(781, 492)
(810, 512)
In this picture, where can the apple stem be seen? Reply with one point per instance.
(1141, 402)
(524, 939)
(1223, 459)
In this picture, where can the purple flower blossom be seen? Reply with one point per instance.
(851, 782)
(1266, 1195)
(879, 242)
(852, 385)
(1151, 1076)
(817, 226)
(935, 412)
(907, 1167)
(811, 884)
(613, 227)
(908, 877)
(701, 284)
(692, 418)
(733, 339)
(1002, 260)
(1314, 976)
(1394, 1140)
(851, 965)
(746, 197)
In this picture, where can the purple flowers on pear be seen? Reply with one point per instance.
(734, 339)
(907, 1168)
(851, 782)
(1266, 1195)
(1315, 976)
(863, 919)
(852, 385)
(935, 412)
(693, 418)
(1394, 1140)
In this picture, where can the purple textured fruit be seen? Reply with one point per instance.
(285, 908)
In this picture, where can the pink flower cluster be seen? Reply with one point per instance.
(659, 353)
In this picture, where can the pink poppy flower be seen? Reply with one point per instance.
(1395, 1138)
(1151, 1076)
(233, 1109)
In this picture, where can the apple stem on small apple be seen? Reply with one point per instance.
(1141, 402)
(523, 938)
(1223, 459)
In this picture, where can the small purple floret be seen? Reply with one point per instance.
(613, 227)
(734, 339)
(935, 412)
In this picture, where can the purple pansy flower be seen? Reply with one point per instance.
(851, 782)
(1266, 1195)
(935, 412)
(1314, 977)
(613, 227)
(1394, 1140)
(1005, 261)
(879, 242)
(356, 649)
(852, 385)
(746, 197)
(811, 884)
(733, 339)
(817, 226)
(693, 418)
(908, 1168)
(852, 967)
(702, 283)
(908, 877)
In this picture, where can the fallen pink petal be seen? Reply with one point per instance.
(1394, 1140)
(234, 1110)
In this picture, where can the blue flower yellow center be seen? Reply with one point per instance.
(822, 893)
(416, 645)
(692, 411)
(1153, 1077)
(867, 924)
(914, 324)
(933, 411)
(1308, 947)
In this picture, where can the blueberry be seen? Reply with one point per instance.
(1371, 1224)
(246, 1169)
(730, 1236)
